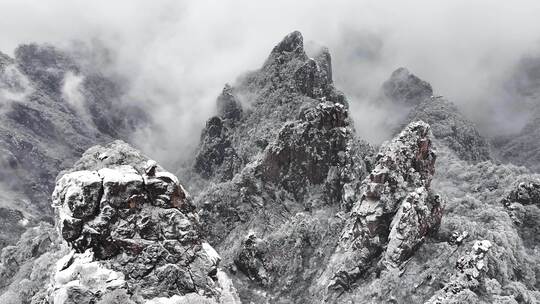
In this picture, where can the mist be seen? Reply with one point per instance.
(177, 55)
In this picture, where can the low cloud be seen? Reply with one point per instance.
(72, 93)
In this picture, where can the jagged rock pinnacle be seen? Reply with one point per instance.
(396, 211)
(289, 49)
(293, 42)
(405, 87)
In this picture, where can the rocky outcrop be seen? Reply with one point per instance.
(418, 217)
(395, 213)
(471, 269)
(406, 88)
(216, 156)
(126, 232)
(133, 233)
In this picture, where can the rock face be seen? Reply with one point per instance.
(406, 90)
(54, 106)
(307, 151)
(395, 213)
(133, 233)
(216, 157)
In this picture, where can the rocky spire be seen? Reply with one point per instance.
(289, 49)
(396, 211)
(404, 87)
(286, 83)
(216, 156)
(293, 42)
(288, 67)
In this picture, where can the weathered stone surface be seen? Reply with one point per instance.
(216, 156)
(137, 236)
(79, 278)
(418, 216)
(307, 150)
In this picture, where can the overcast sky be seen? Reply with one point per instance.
(179, 54)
